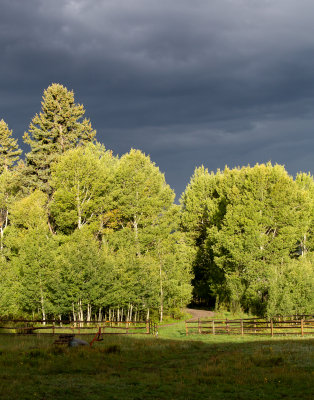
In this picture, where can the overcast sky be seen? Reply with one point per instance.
(213, 82)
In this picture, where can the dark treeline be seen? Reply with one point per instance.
(85, 234)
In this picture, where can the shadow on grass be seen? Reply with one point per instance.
(149, 368)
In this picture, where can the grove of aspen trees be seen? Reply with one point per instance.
(85, 234)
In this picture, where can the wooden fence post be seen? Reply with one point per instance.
(302, 327)
(213, 323)
(227, 326)
(147, 327)
(271, 328)
(186, 329)
(199, 326)
(254, 325)
(242, 330)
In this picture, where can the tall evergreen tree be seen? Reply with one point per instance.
(9, 149)
(57, 128)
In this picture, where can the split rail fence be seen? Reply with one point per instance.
(289, 325)
(56, 327)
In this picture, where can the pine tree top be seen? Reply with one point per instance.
(58, 127)
(9, 149)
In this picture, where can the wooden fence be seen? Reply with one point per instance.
(56, 327)
(289, 325)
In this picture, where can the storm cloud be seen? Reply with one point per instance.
(205, 82)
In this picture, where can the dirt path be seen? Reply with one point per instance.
(196, 314)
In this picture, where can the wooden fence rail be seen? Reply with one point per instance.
(252, 326)
(52, 327)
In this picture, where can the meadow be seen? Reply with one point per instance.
(171, 366)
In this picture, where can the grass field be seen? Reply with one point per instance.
(171, 366)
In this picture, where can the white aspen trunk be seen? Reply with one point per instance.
(135, 315)
(161, 294)
(42, 301)
(50, 227)
(1, 239)
(78, 207)
(118, 314)
(135, 225)
(147, 315)
(99, 315)
(74, 314)
(43, 309)
(89, 313)
(3, 226)
(131, 310)
(81, 314)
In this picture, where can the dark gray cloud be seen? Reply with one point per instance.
(215, 82)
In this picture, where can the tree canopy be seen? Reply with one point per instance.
(57, 128)
(85, 234)
(246, 224)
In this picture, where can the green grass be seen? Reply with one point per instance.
(172, 366)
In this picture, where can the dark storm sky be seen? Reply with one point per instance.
(210, 82)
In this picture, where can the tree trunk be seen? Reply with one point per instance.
(42, 304)
(78, 207)
(99, 315)
(89, 312)
(81, 314)
(1, 239)
(161, 294)
(4, 224)
(137, 245)
(74, 314)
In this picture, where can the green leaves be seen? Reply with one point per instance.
(140, 192)
(85, 229)
(251, 221)
(81, 182)
(9, 149)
